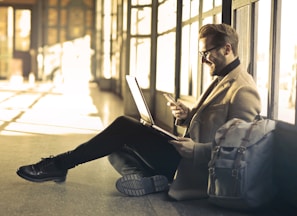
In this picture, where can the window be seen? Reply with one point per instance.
(140, 60)
(242, 26)
(166, 62)
(22, 30)
(141, 2)
(165, 70)
(288, 63)
(141, 20)
(151, 50)
(106, 64)
(189, 50)
(262, 52)
(140, 43)
(6, 42)
(278, 95)
(167, 16)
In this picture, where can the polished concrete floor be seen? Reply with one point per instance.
(42, 119)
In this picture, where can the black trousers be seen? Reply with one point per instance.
(131, 146)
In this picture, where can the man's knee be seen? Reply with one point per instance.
(128, 163)
(125, 120)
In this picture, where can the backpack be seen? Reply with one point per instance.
(241, 165)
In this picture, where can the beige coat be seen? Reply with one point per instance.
(235, 96)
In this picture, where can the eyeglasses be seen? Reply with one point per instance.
(205, 53)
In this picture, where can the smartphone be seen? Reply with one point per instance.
(171, 99)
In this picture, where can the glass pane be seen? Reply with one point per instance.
(167, 16)
(185, 54)
(194, 8)
(186, 10)
(89, 18)
(218, 3)
(52, 2)
(104, 36)
(63, 35)
(207, 5)
(243, 30)
(166, 63)
(140, 60)
(288, 63)
(194, 60)
(141, 21)
(52, 17)
(89, 3)
(189, 56)
(218, 18)
(63, 18)
(64, 2)
(76, 25)
(141, 2)
(6, 42)
(52, 37)
(190, 9)
(262, 58)
(106, 67)
(125, 17)
(22, 30)
(107, 21)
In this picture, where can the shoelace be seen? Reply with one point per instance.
(44, 163)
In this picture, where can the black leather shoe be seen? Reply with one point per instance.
(45, 170)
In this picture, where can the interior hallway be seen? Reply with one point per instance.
(38, 120)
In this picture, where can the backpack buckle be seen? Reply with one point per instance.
(217, 148)
(235, 173)
(241, 149)
(211, 170)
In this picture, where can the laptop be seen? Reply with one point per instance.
(141, 104)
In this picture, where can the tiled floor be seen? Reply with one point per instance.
(41, 120)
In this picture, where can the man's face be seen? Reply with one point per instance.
(212, 56)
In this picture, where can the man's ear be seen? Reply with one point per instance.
(228, 49)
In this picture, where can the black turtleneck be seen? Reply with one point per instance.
(229, 67)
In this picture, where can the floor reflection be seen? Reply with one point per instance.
(44, 108)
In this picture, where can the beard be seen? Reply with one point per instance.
(216, 67)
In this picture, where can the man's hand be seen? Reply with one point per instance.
(185, 146)
(180, 112)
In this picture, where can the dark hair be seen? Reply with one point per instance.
(221, 34)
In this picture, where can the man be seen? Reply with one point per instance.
(147, 160)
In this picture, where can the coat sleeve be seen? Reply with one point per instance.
(244, 104)
(202, 152)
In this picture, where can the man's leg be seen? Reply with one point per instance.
(139, 177)
(124, 131)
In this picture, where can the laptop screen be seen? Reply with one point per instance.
(139, 99)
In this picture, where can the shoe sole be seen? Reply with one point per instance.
(134, 185)
(55, 179)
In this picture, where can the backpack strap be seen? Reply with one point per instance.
(215, 154)
(239, 155)
(242, 147)
(217, 147)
